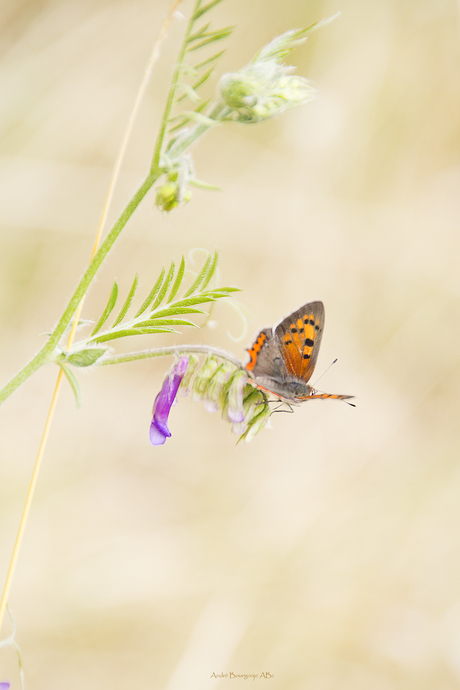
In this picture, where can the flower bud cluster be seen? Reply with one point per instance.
(222, 387)
(260, 91)
(175, 190)
(266, 86)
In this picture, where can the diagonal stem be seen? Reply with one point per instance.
(75, 305)
(172, 91)
(46, 353)
(30, 493)
(174, 350)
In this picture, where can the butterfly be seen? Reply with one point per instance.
(282, 358)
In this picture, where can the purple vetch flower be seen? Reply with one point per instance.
(165, 399)
(4, 686)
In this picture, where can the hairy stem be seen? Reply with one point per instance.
(46, 353)
(174, 350)
(172, 91)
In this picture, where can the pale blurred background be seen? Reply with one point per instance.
(327, 551)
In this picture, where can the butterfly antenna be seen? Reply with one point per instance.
(324, 372)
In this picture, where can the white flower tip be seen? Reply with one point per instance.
(210, 406)
(235, 416)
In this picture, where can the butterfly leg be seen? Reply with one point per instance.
(280, 408)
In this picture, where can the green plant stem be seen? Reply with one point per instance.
(172, 91)
(218, 113)
(176, 349)
(46, 354)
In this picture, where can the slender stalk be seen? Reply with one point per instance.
(30, 368)
(46, 353)
(47, 350)
(49, 419)
(102, 253)
(219, 111)
(174, 350)
(156, 51)
(28, 502)
(172, 91)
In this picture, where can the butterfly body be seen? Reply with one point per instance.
(282, 358)
(288, 389)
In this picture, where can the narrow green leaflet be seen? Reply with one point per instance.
(128, 301)
(200, 276)
(72, 379)
(209, 296)
(131, 331)
(172, 311)
(166, 322)
(195, 116)
(164, 287)
(152, 294)
(108, 309)
(213, 36)
(210, 271)
(199, 33)
(205, 185)
(160, 312)
(202, 79)
(213, 58)
(178, 281)
(201, 106)
(190, 91)
(196, 37)
(205, 8)
(283, 44)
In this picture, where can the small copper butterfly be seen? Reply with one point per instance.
(283, 357)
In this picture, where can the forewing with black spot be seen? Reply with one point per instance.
(300, 336)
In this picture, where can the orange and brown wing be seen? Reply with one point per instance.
(265, 356)
(300, 336)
